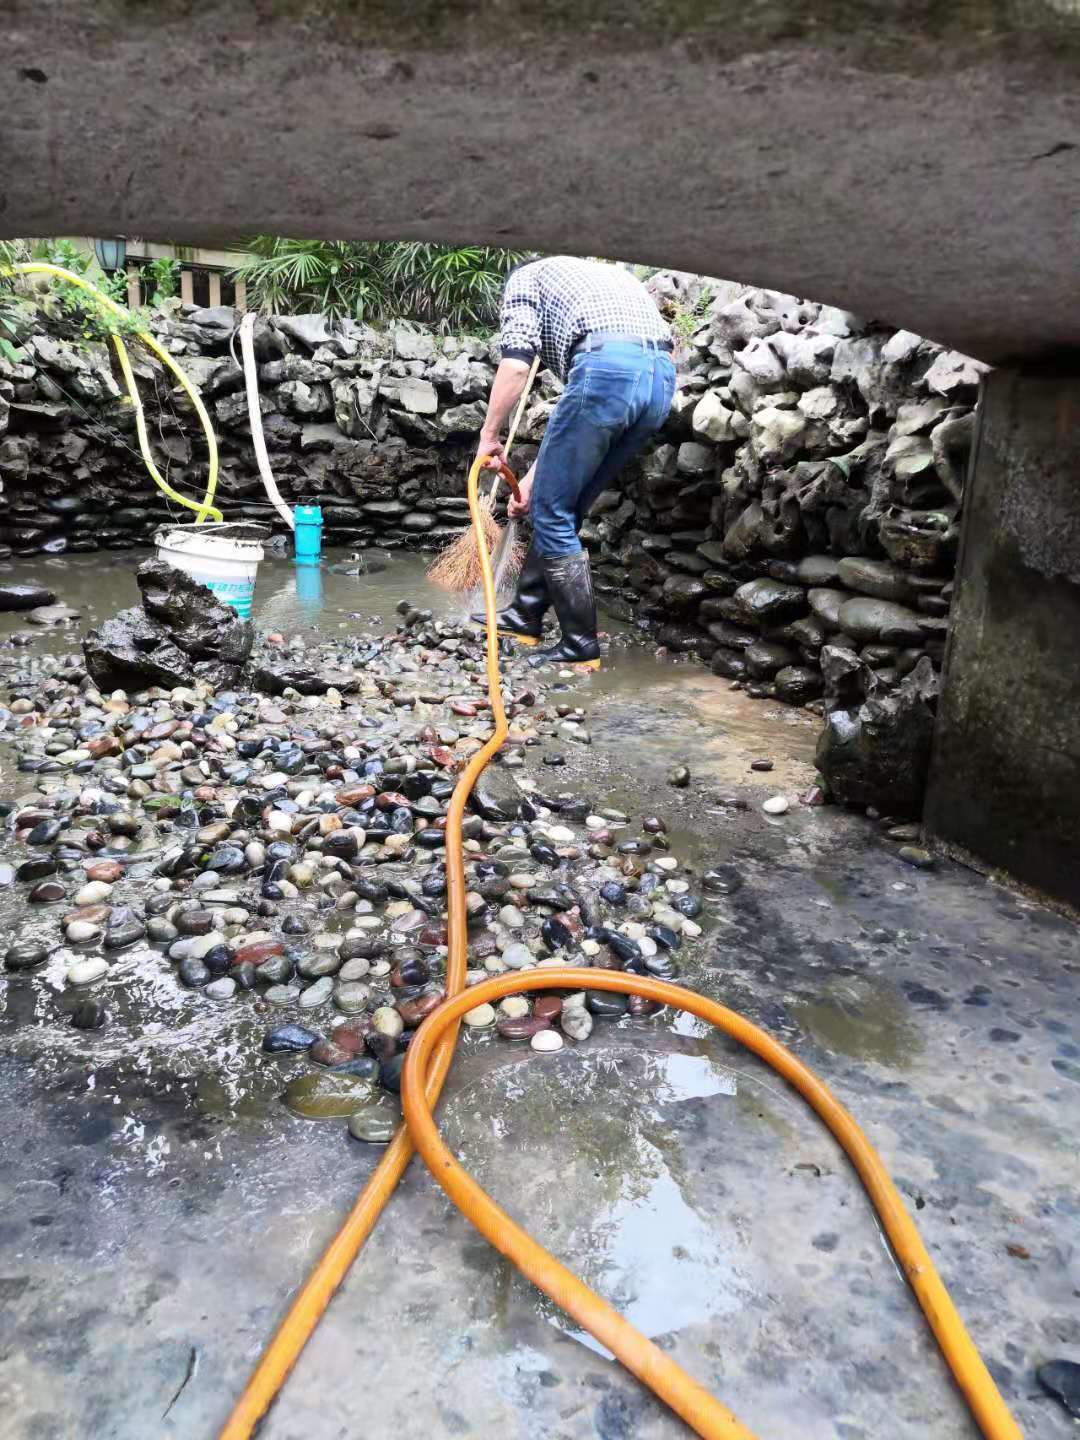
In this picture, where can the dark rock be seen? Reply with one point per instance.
(770, 601)
(227, 860)
(605, 1004)
(556, 935)
(818, 570)
(275, 676)
(124, 932)
(764, 658)
(731, 664)
(798, 684)
(25, 955)
(880, 620)
(277, 970)
(286, 1038)
(181, 633)
(89, 1015)
(873, 577)
(47, 892)
(825, 604)
(390, 1073)
(37, 868)
(722, 880)
(879, 753)
(1061, 1379)
(193, 972)
(24, 596)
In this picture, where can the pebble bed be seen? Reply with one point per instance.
(287, 853)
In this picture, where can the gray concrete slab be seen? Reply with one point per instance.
(1005, 775)
(918, 167)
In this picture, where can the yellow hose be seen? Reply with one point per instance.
(203, 508)
(427, 1061)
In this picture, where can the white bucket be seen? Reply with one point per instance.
(227, 563)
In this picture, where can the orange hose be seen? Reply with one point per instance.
(697, 1407)
(318, 1289)
(426, 1065)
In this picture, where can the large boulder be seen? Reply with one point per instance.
(770, 601)
(413, 395)
(180, 632)
(878, 753)
(873, 577)
(274, 674)
(868, 620)
(410, 344)
(300, 398)
(15, 596)
(712, 419)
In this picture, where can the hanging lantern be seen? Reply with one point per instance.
(111, 253)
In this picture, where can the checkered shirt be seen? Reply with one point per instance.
(548, 305)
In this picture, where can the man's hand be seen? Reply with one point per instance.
(492, 446)
(515, 509)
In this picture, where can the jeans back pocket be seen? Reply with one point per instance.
(609, 394)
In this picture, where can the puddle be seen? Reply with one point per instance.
(862, 1019)
(599, 1174)
(296, 599)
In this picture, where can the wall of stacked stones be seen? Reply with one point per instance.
(372, 426)
(805, 493)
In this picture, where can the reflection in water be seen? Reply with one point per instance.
(599, 1175)
(309, 587)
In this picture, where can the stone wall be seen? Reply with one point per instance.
(804, 498)
(375, 427)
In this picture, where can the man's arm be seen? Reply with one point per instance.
(520, 341)
(506, 390)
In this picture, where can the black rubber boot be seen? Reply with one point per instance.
(523, 618)
(569, 582)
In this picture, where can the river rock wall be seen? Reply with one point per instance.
(804, 496)
(373, 426)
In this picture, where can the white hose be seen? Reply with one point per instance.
(258, 439)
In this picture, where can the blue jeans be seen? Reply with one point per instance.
(615, 398)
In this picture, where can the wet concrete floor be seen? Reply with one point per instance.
(160, 1206)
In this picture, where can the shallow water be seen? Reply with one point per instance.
(165, 1041)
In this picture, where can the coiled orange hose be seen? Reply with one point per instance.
(697, 1407)
(425, 1069)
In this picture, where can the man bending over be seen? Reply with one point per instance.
(596, 327)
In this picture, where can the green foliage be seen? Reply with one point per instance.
(92, 320)
(459, 287)
(12, 252)
(377, 281)
(686, 319)
(162, 279)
